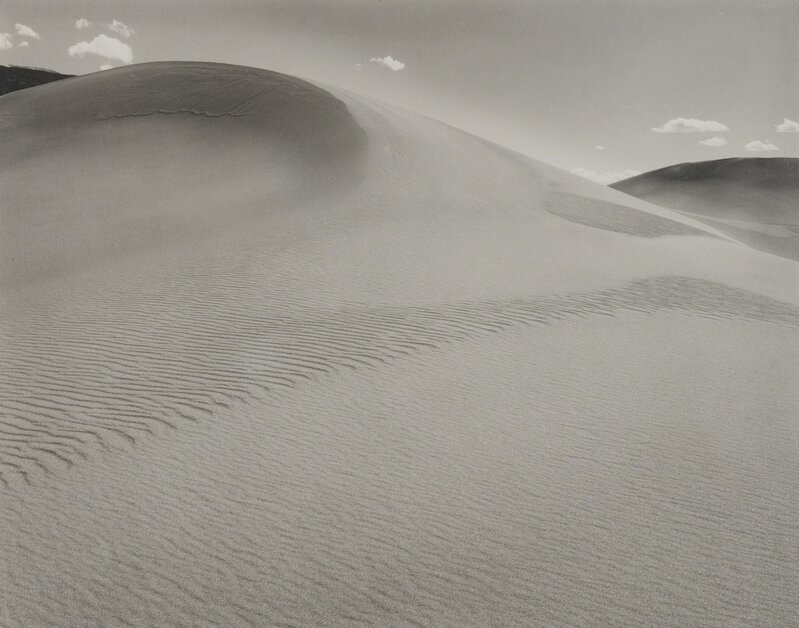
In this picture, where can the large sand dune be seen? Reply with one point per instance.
(277, 354)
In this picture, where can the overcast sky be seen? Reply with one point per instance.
(604, 86)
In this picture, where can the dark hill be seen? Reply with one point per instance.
(754, 200)
(757, 190)
(14, 78)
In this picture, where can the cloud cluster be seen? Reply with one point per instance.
(787, 126)
(605, 178)
(115, 26)
(119, 28)
(20, 31)
(690, 125)
(26, 31)
(103, 46)
(395, 65)
(757, 146)
(713, 141)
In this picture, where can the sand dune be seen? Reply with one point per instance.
(753, 200)
(277, 354)
(759, 190)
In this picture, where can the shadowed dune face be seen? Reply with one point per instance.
(109, 164)
(278, 355)
(758, 190)
(601, 214)
(13, 78)
(754, 200)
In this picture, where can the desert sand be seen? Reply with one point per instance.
(273, 353)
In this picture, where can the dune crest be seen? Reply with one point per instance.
(247, 141)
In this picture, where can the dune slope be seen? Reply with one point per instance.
(753, 189)
(272, 353)
(754, 200)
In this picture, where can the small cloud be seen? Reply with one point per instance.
(690, 125)
(105, 66)
(103, 46)
(26, 31)
(788, 126)
(713, 141)
(5, 41)
(82, 23)
(395, 65)
(605, 178)
(120, 29)
(758, 147)
(599, 147)
(23, 44)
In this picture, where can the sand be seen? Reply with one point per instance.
(278, 354)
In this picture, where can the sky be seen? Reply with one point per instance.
(604, 88)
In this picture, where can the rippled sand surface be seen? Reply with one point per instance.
(352, 366)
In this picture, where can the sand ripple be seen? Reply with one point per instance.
(600, 470)
(75, 383)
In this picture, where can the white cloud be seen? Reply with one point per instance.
(395, 65)
(26, 31)
(120, 29)
(788, 126)
(758, 147)
(5, 41)
(713, 141)
(690, 125)
(103, 46)
(82, 23)
(605, 178)
(599, 147)
(23, 44)
(105, 66)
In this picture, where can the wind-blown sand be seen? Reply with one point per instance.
(274, 354)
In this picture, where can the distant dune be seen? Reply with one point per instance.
(754, 199)
(753, 189)
(14, 77)
(272, 353)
